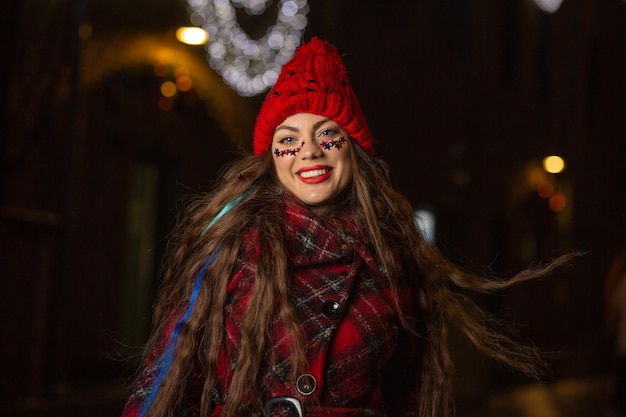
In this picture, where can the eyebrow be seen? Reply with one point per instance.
(316, 126)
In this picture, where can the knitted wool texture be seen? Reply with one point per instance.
(314, 81)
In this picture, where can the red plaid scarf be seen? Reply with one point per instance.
(362, 361)
(348, 353)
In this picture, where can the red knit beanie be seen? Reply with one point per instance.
(314, 81)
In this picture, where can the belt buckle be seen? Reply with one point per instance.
(290, 402)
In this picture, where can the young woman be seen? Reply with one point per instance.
(301, 286)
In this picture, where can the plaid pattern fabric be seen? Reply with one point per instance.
(348, 351)
(358, 354)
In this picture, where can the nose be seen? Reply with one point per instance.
(310, 149)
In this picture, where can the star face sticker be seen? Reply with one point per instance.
(286, 152)
(325, 145)
(336, 143)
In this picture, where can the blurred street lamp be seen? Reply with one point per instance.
(192, 35)
(553, 164)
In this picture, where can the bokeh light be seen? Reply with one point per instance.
(549, 6)
(553, 164)
(249, 65)
(545, 189)
(558, 202)
(165, 103)
(184, 84)
(192, 35)
(161, 69)
(181, 74)
(427, 222)
(168, 89)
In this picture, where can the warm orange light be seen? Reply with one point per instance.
(165, 103)
(161, 69)
(168, 89)
(558, 202)
(181, 73)
(192, 35)
(184, 84)
(183, 80)
(553, 164)
(545, 189)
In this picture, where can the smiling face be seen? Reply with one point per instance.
(312, 159)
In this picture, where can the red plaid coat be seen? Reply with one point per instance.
(361, 362)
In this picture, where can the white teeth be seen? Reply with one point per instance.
(313, 173)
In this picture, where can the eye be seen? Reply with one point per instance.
(328, 132)
(287, 140)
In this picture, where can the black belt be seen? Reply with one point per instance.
(288, 402)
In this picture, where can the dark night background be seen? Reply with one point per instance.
(464, 98)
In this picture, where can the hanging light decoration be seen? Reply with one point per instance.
(549, 6)
(250, 66)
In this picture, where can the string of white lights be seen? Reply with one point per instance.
(254, 7)
(249, 66)
(548, 6)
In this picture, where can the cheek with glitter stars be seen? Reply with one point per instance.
(335, 143)
(325, 145)
(287, 152)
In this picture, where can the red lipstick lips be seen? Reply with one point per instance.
(314, 174)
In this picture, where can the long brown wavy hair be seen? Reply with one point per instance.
(390, 222)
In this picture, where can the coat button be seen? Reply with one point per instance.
(306, 384)
(331, 310)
